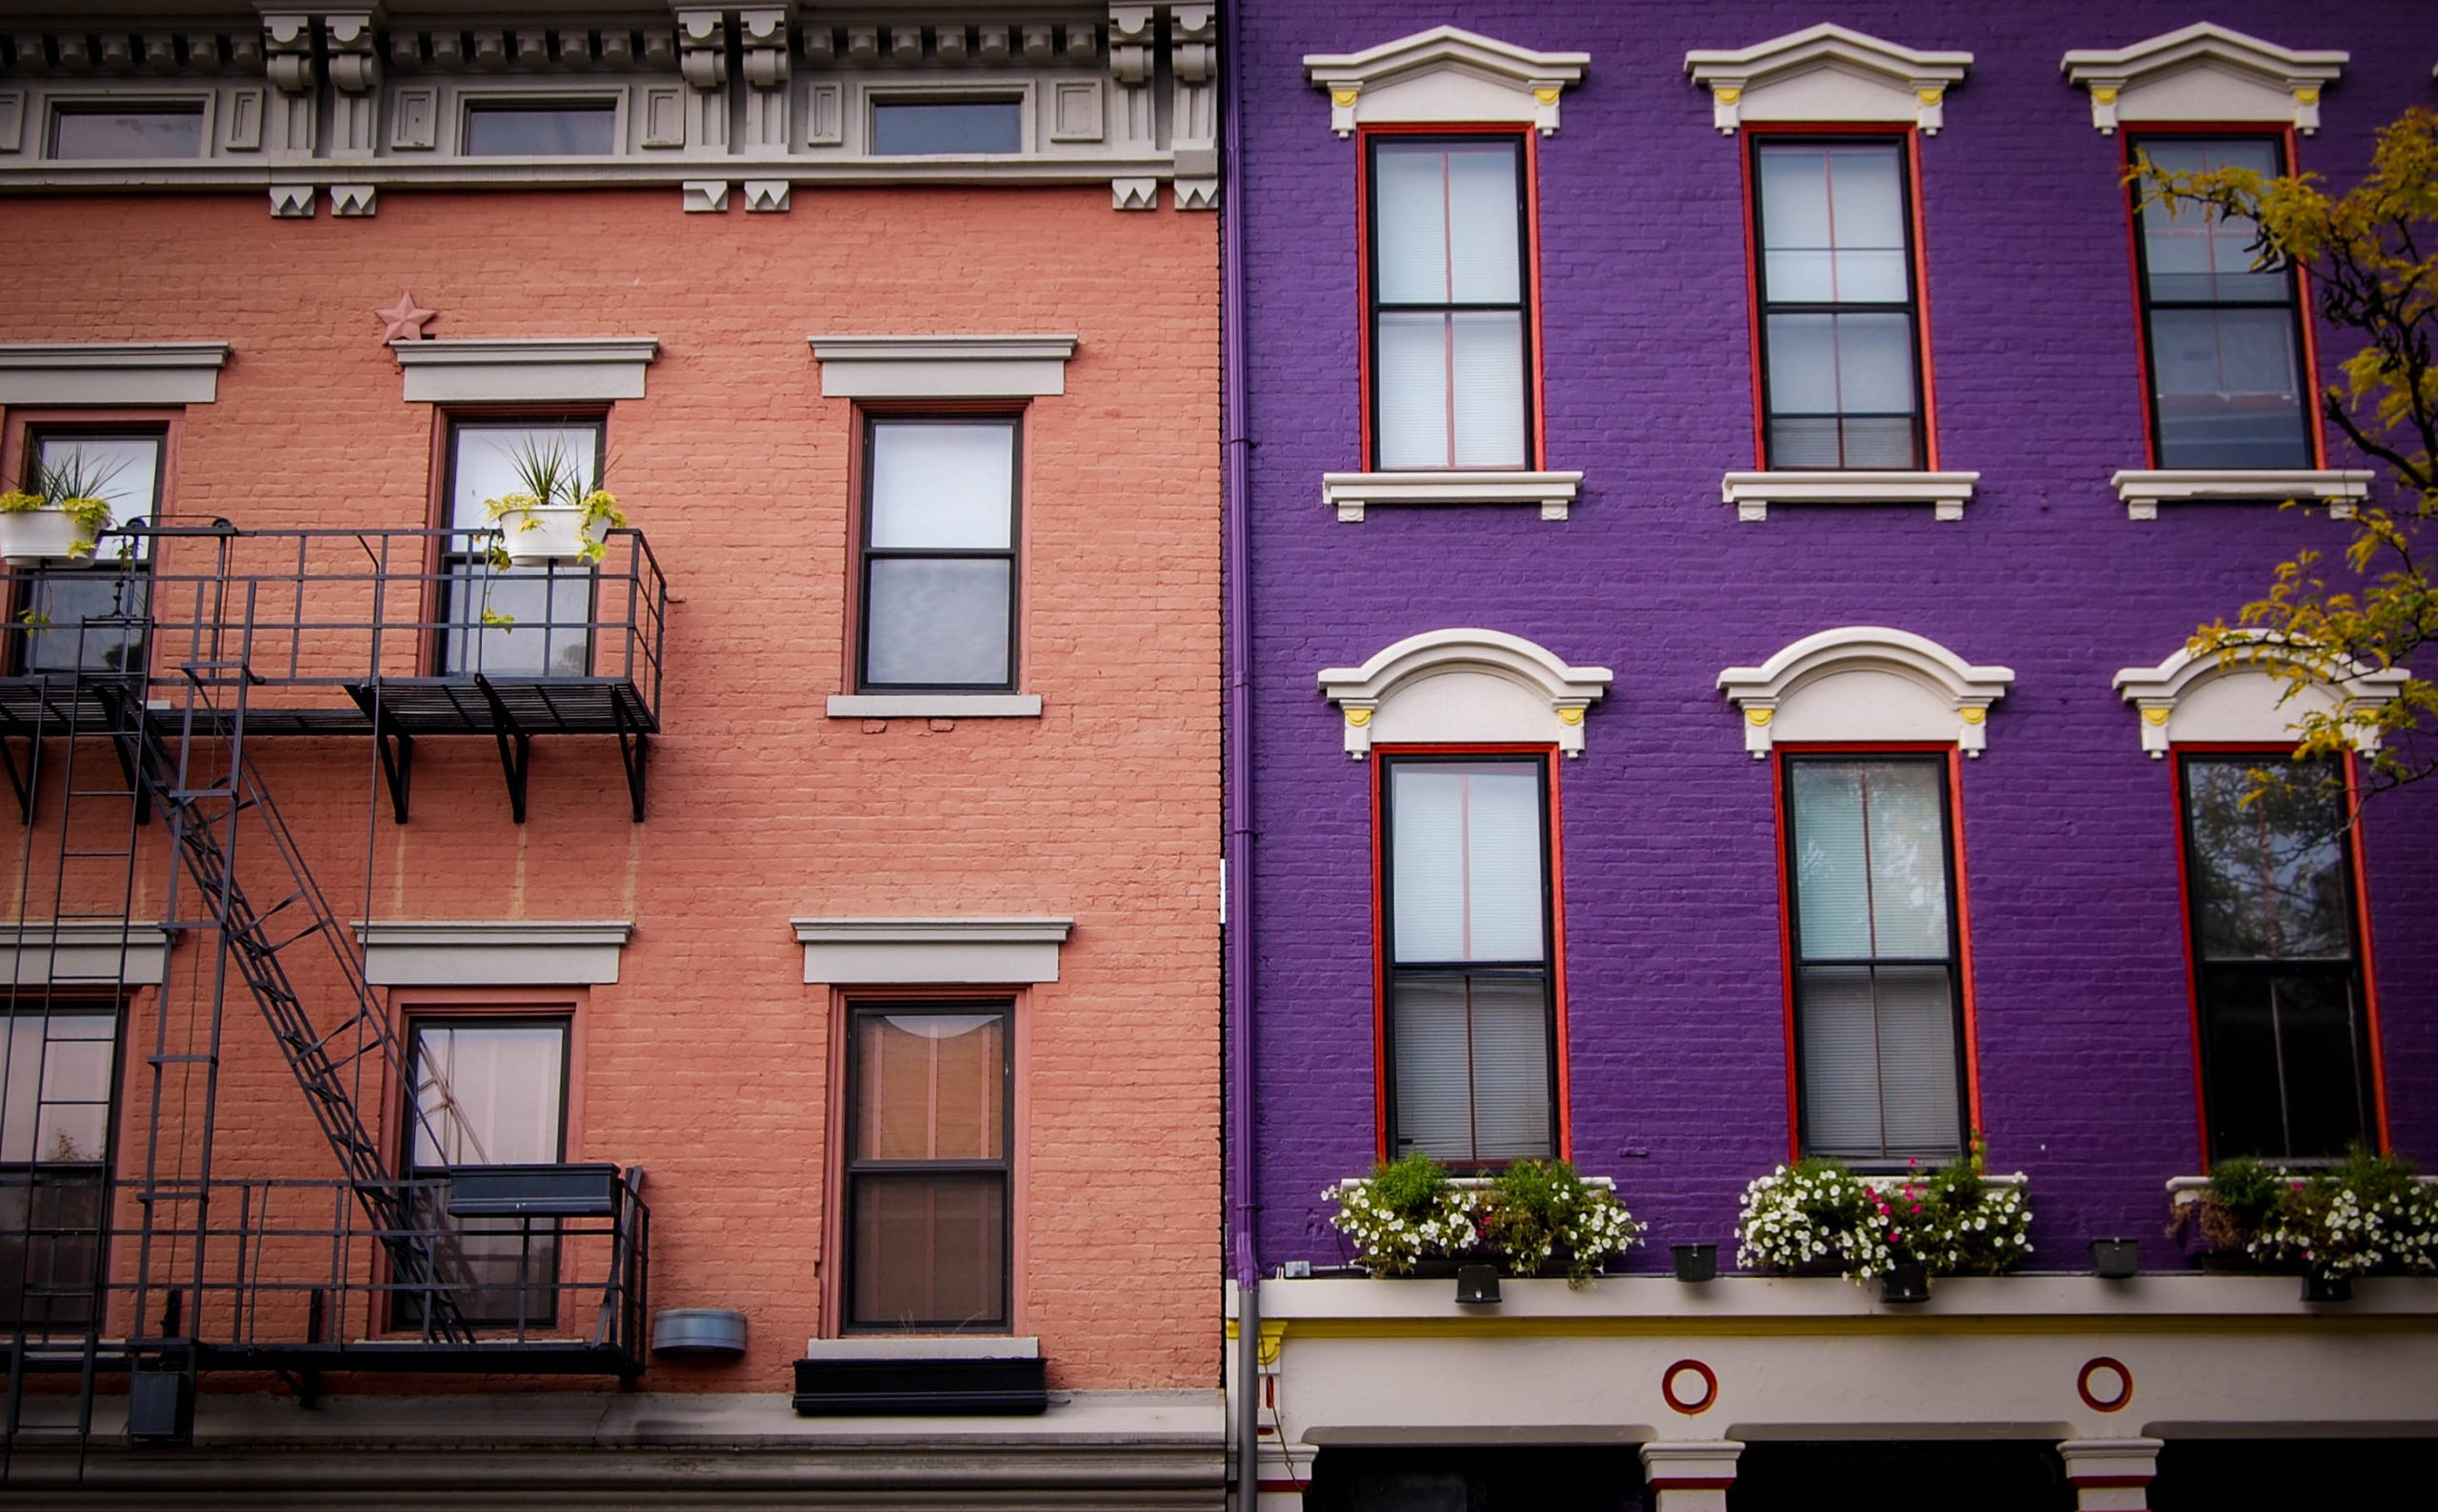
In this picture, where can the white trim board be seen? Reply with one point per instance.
(1753, 492)
(544, 370)
(942, 366)
(2143, 490)
(491, 953)
(79, 952)
(920, 952)
(1351, 494)
(112, 373)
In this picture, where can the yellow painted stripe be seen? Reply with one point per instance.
(1652, 1327)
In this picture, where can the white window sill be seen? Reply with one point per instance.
(1753, 492)
(935, 706)
(924, 1347)
(2144, 490)
(1351, 493)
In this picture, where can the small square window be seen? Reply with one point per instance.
(939, 568)
(586, 129)
(933, 127)
(100, 132)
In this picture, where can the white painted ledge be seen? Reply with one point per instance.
(1753, 492)
(112, 373)
(491, 953)
(924, 1347)
(935, 706)
(546, 371)
(1351, 494)
(2144, 489)
(920, 952)
(82, 952)
(942, 366)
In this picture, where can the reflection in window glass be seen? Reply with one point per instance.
(56, 1072)
(81, 133)
(919, 128)
(489, 1093)
(541, 130)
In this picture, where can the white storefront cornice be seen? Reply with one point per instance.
(1827, 72)
(1351, 493)
(1753, 492)
(492, 952)
(2203, 72)
(112, 373)
(1445, 76)
(942, 366)
(539, 369)
(1001, 951)
(2143, 490)
(72, 953)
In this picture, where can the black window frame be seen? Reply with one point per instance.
(1518, 141)
(1797, 960)
(1910, 219)
(590, 106)
(60, 111)
(136, 573)
(1392, 969)
(34, 1002)
(450, 561)
(2352, 972)
(541, 1234)
(2306, 381)
(854, 1168)
(866, 553)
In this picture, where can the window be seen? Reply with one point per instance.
(519, 621)
(586, 129)
(1450, 341)
(1840, 316)
(928, 1168)
(1471, 1001)
(1877, 994)
(2224, 337)
(78, 617)
(939, 557)
(57, 1067)
(917, 128)
(2285, 1043)
(126, 131)
(489, 1092)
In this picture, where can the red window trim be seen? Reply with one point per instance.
(1964, 976)
(1536, 438)
(2125, 131)
(1549, 753)
(1916, 230)
(2364, 960)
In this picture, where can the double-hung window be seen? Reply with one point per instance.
(523, 621)
(2223, 330)
(78, 617)
(58, 1063)
(1450, 330)
(938, 582)
(1470, 985)
(1840, 317)
(487, 1092)
(930, 1113)
(1877, 990)
(2285, 1043)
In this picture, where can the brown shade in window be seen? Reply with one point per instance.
(931, 1250)
(930, 1087)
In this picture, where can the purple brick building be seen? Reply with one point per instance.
(1726, 497)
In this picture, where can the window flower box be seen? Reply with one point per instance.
(1815, 1213)
(1536, 1217)
(2369, 1215)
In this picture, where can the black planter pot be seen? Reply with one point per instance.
(1696, 1262)
(1907, 1280)
(2116, 1259)
(2327, 1288)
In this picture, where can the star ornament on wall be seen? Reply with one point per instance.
(405, 320)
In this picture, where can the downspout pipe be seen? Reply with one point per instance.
(1236, 769)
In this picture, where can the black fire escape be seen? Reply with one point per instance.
(132, 741)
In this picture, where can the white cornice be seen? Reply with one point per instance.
(1753, 492)
(930, 951)
(1483, 80)
(112, 373)
(1827, 72)
(1421, 688)
(1351, 494)
(1957, 709)
(953, 367)
(2259, 710)
(2203, 72)
(492, 952)
(544, 369)
(2142, 490)
(82, 952)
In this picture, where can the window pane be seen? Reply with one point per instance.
(1875, 364)
(549, 610)
(487, 467)
(50, 1247)
(55, 1074)
(914, 127)
(930, 1250)
(487, 1094)
(123, 471)
(1802, 365)
(1472, 1066)
(2229, 389)
(1833, 225)
(1464, 369)
(943, 486)
(1409, 201)
(556, 131)
(2288, 1065)
(937, 623)
(86, 617)
(2197, 254)
(88, 134)
(1486, 358)
(2268, 877)
(1484, 224)
(1468, 871)
(1410, 359)
(929, 1086)
(1871, 860)
(1879, 1061)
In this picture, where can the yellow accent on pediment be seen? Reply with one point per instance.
(1929, 96)
(1759, 716)
(1358, 716)
(1728, 96)
(1974, 716)
(1343, 99)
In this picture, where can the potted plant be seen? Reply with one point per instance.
(1694, 1264)
(58, 519)
(1406, 1210)
(558, 514)
(2367, 1215)
(1899, 1232)
(1539, 1217)
(1541, 1212)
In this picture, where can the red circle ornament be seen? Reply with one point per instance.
(2100, 1366)
(1709, 1387)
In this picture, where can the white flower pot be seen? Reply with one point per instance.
(43, 537)
(550, 533)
